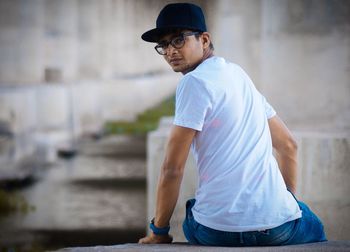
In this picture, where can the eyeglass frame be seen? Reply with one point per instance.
(171, 42)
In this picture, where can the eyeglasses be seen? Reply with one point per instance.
(177, 42)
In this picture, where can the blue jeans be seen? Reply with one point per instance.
(306, 229)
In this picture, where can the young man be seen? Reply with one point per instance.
(245, 197)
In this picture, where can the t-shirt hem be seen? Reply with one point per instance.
(191, 125)
(269, 116)
(226, 228)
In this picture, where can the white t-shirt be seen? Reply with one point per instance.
(240, 185)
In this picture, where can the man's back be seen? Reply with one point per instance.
(240, 185)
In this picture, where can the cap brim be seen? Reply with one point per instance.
(152, 35)
(155, 34)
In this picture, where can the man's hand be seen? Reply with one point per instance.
(153, 239)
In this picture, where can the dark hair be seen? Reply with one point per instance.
(211, 46)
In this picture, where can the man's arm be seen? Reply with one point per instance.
(170, 180)
(286, 151)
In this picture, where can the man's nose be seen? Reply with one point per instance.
(170, 49)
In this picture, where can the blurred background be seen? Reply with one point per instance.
(79, 91)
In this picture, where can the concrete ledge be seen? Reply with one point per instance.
(183, 247)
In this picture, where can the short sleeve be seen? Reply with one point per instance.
(269, 110)
(193, 101)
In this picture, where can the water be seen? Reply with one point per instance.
(96, 198)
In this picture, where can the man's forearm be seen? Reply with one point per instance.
(171, 173)
(288, 166)
(167, 195)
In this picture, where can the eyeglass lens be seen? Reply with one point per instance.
(177, 42)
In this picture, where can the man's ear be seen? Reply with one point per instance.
(206, 39)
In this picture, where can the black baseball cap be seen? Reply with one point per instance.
(176, 16)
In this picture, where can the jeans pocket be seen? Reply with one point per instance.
(275, 236)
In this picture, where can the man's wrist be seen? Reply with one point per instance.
(157, 230)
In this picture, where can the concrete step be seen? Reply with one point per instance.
(184, 247)
(86, 199)
(98, 168)
(116, 146)
(6, 144)
(87, 192)
(18, 174)
(51, 239)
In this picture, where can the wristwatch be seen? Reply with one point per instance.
(158, 231)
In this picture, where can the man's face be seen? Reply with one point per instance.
(186, 58)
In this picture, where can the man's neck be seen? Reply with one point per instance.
(207, 54)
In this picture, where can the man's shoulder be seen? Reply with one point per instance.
(215, 68)
(212, 71)
(217, 64)
(195, 81)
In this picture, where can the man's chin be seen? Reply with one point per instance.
(177, 69)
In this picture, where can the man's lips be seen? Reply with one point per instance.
(174, 61)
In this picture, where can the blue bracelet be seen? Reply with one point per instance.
(158, 231)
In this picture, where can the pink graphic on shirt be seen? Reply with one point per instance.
(204, 177)
(215, 123)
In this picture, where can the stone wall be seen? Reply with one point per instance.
(67, 67)
(41, 118)
(293, 50)
(296, 52)
(324, 172)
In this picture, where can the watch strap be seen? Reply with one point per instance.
(157, 230)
